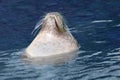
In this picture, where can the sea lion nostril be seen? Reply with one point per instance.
(56, 24)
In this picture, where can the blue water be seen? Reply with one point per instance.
(94, 23)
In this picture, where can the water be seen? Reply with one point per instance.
(94, 23)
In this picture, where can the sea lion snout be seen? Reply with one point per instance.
(52, 14)
(54, 20)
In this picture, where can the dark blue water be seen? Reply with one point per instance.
(94, 23)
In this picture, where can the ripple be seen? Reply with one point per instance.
(86, 66)
(118, 25)
(101, 21)
(74, 30)
(99, 42)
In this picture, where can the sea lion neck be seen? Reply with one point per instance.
(53, 22)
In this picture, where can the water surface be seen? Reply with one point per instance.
(94, 23)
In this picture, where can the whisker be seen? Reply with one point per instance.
(37, 27)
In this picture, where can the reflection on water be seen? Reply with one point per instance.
(95, 24)
(58, 59)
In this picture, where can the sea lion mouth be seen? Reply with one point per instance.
(54, 20)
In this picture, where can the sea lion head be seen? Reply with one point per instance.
(53, 22)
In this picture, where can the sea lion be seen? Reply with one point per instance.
(53, 39)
